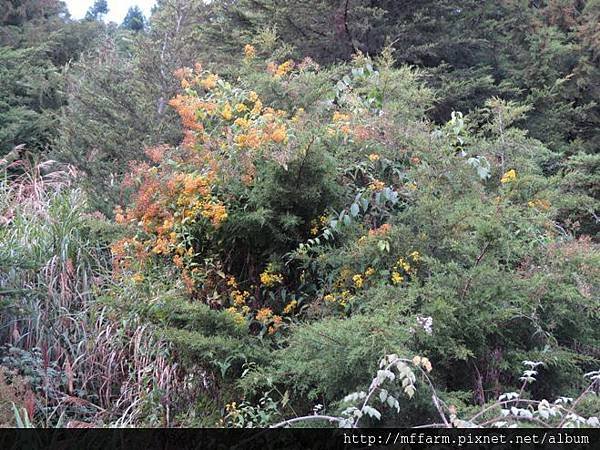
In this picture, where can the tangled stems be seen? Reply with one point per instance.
(569, 416)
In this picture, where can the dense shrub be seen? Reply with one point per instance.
(354, 228)
(296, 243)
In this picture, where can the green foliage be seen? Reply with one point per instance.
(373, 213)
(97, 11)
(107, 122)
(134, 19)
(28, 92)
(320, 360)
(274, 215)
(36, 42)
(55, 332)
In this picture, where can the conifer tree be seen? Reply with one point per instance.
(97, 11)
(134, 20)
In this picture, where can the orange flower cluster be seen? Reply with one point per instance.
(381, 231)
(166, 203)
(280, 70)
(266, 317)
(228, 120)
(126, 252)
(227, 130)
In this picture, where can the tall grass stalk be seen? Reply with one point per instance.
(84, 362)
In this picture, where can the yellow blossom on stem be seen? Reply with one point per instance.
(256, 110)
(284, 68)
(227, 113)
(358, 281)
(397, 278)
(241, 122)
(376, 185)
(209, 82)
(249, 51)
(403, 264)
(509, 176)
(264, 314)
(269, 279)
(290, 307)
(340, 117)
(415, 256)
(239, 298)
(279, 134)
(374, 157)
(137, 278)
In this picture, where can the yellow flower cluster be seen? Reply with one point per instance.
(542, 205)
(137, 278)
(341, 123)
(239, 310)
(376, 185)
(257, 125)
(194, 200)
(341, 299)
(509, 176)
(403, 268)
(210, 82)
(290, 307)
(264, 314)
(402, 264)
(374, 157)
(415, 256)
(421, 361)
(284, 68)
(238, 317)
(231, 407)
(347, 282)
(226, 112)
(239, 297)
(397, 278)
(253, 125)
(279, 134)
(266, 317)
(215, 212)
(269, 278)
(197, 76)
(249, 52)
(340, 117)
(358, 281)
(317, 224)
